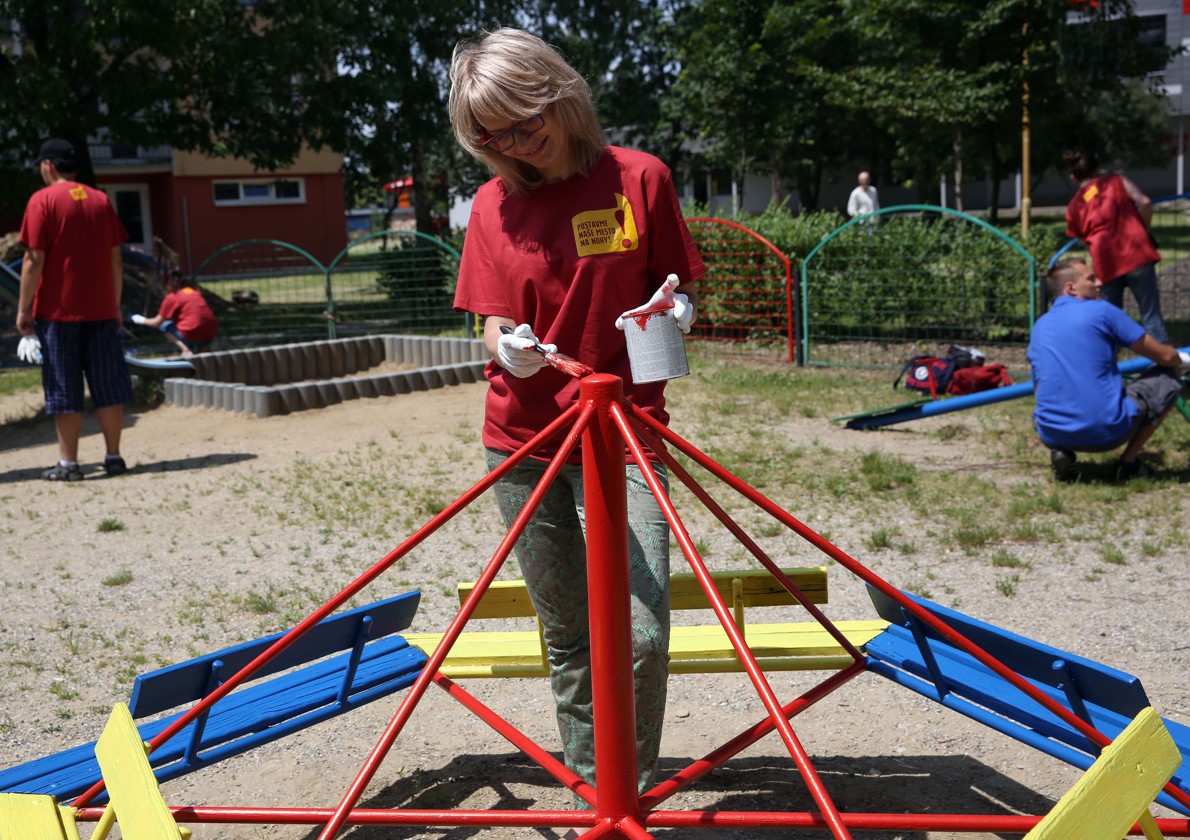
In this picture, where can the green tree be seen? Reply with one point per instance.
(946, 82)
(216, 76)
(726, 89)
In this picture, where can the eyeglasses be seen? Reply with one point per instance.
(505, 140)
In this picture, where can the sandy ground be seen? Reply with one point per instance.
(229, 527)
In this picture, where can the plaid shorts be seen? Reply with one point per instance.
(74, 349)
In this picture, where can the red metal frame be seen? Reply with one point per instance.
(606, 424)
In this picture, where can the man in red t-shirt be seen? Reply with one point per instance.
(71, 279)
(183, 316)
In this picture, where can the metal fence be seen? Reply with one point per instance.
(911, 280)
(265, 291)
(1171, 223)
(746, 300)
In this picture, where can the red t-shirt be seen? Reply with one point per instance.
(77, 228)
(567, 259)
(1103, 215)
(188, 309)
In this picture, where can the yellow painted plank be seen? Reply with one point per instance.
(1118, 787)
(510, 599)
(760, 588)
(140, 809)
(34, 816)
(484, 648)
(70, 829)
(806, 638)
(794, 646)
(504, 599)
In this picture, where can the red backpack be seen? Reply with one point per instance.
(969, 380)
(927, 374)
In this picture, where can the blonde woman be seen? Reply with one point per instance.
(568, 235)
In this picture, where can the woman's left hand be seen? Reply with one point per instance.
(678, 304)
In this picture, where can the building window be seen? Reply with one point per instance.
(279, 191)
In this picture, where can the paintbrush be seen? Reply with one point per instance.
(558, 361)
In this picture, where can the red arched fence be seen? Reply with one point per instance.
(747, 297)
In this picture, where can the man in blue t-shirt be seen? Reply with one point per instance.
(1082, 402)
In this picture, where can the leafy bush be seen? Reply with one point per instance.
(927, 276)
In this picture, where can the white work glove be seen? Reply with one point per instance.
(1185, 357)
(29, 349)
(678, 304)
(516, 354)
(137, 318)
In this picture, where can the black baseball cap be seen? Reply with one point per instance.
(59, 152)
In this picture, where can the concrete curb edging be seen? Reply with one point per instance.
(286, 378)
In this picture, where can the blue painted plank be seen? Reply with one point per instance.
(246, 718)
(1096, 682)
(184, 683)
(1108, 698)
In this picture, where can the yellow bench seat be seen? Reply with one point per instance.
(803, 645)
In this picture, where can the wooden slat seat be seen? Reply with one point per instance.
(693, 648)
(1106, 698)
(341, 663)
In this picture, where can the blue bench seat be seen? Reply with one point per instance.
(368, 660)
(912, 654)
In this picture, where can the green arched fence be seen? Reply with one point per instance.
(914, 279)
(266, 291)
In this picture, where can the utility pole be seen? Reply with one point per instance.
(1026, 200)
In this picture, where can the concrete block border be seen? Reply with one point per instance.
(286, 378)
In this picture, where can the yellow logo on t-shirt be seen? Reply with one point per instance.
(607, 231)
(78, 193)
(1091, 192)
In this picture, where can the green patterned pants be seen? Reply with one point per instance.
(552, 556)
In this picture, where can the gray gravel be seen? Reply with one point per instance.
(229, 527)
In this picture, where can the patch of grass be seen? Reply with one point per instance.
(261, 603)
(1003, 559)
(951, 431)
(16, 380)
(881, 538)
(1109, 553)
(120, 578)
(62, 692)
(886, 472)
(108, 526)
(1007, 586)
(977, 536)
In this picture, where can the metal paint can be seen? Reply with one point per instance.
(656, 348)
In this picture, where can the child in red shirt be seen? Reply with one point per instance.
(184, 316)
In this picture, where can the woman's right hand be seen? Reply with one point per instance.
(516, 353)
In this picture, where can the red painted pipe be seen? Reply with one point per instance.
(848, 562)
(957, 823)
(605, 493)
(759, 682)
(417, 690)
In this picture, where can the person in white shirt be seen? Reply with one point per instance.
(863, 199)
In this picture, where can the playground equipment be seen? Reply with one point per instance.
(931, 408)
(607, 424)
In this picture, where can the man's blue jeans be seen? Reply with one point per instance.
(1143, 283)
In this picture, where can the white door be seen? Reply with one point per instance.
(132, 206)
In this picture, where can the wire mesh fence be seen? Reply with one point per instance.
(268, 292)
(912, 280)
(395, 281)
(1171, 231)
(744, 302)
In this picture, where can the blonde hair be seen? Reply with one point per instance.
(512, 75)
